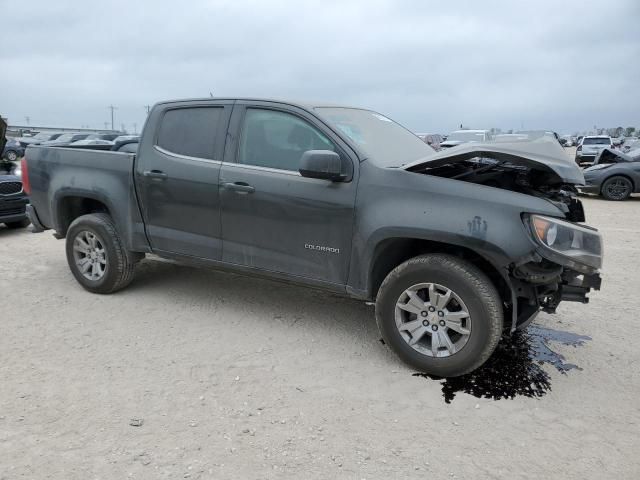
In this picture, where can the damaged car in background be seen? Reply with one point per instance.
(615, 175)
(454, 248)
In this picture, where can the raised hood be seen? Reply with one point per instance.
(544, 154)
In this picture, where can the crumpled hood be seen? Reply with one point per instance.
(542, 153)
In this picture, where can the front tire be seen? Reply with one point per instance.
(617, 188)
(96, 255)
(11, 155)
(440, 314)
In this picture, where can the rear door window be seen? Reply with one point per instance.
(190, 131)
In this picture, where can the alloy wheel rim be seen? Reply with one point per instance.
(617, 189)
(90, 255)
(433, 320)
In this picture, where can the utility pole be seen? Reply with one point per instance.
(27, 118)
(112, 108)
(147, 108)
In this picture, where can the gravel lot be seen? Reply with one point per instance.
(233, 377)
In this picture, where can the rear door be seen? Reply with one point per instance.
(177, 175)
(274, 219)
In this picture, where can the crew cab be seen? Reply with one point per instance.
(454, 247)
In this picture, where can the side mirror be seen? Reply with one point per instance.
(323, 164)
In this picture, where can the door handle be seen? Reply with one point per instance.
(240, 187)
(160, 175)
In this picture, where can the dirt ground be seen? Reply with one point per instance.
(234, 377)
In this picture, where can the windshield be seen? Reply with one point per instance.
(466, 136)
(384, 141)
(596, 141)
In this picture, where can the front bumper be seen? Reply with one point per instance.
(541, 286)
(13, 209)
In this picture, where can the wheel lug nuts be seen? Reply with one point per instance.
(442, 323)
(425, 323)
(431, 309)
(434, 327)
(424, 314)
(441, 313)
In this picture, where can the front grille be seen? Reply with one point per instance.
(12, 211)
(9, 188)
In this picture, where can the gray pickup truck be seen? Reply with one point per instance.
(454, 247)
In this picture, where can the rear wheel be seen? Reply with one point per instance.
(440, 314)
(96, 255)
(617, 188)
(11, 155)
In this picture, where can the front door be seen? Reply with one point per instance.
(178, 174)
(273, 218)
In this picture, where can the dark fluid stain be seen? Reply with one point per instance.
(515, 368)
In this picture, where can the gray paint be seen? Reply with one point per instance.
(197, 215)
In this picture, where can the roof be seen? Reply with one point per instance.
(296, 103)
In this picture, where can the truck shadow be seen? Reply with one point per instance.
(515, 368)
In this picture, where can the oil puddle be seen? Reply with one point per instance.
(515, 368)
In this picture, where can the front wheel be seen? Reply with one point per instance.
(617, 188)
(96, 255)
(440, 314)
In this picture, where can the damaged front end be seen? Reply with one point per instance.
(567, 256)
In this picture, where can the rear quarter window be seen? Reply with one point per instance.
(190, 131)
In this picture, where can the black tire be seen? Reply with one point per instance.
(11, 155)
(617, 188)
(120, 264)
(19, 224)
(472, 286)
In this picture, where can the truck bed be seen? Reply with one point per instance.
(63, 174)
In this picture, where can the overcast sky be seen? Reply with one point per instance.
(430, 65)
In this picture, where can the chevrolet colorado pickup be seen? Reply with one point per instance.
(453, 247)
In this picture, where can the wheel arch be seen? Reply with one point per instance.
(391, 252)
(73, 205)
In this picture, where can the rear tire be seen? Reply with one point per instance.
(96, 254)
(11, 155)
(617, 188)
(468, 343)
(19, 224)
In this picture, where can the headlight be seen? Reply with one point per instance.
(567, 243)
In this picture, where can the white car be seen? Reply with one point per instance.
(465, 136)
(590, 146)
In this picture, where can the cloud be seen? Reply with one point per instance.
(430, 65)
